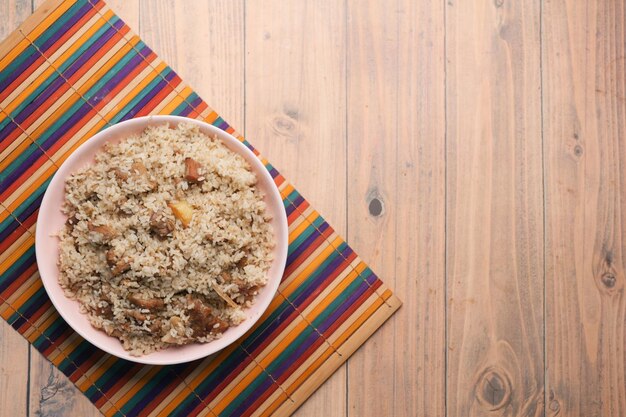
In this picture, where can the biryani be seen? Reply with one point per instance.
(167, 241)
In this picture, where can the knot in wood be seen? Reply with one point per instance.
(608, 279)
(578, 151)
(554, 406)
(284, 125)
(375, 203)
(493, 389)
(375, 207)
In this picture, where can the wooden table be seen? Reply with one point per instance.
(472, 151)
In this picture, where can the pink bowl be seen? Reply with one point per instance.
(51, 220)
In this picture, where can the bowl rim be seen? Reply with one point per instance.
(99, 140)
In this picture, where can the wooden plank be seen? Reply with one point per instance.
(396, 199)
(203, 42)
(295, 115)
(419, 276)
(372, 149)
(13, 372)
(585, 161)
(376, 35)
(494, 209)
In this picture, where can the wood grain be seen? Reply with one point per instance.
(396, 199)
(203, 42)
(419, 275)
(372, 146)
(295, 97)
(494, 209)
(13, 372)
(296, 115)
(585, 165)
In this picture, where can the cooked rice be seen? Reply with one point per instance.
(126, 255)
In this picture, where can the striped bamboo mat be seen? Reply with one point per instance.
(74, 68)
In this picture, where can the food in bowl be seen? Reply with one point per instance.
(167, 239)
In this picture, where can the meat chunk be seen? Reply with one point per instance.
(248, 291)
(201, 318)
(156, 326)
(72, 220)
(149, 303)
(111, 257)
(200, 314)
(161, 225)
(219, 325)
(106, 312)
(137, 315)
(242, 262)
(193, 170)
(103, 233)
(118, 266)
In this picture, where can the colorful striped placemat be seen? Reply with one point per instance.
(74, 68)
